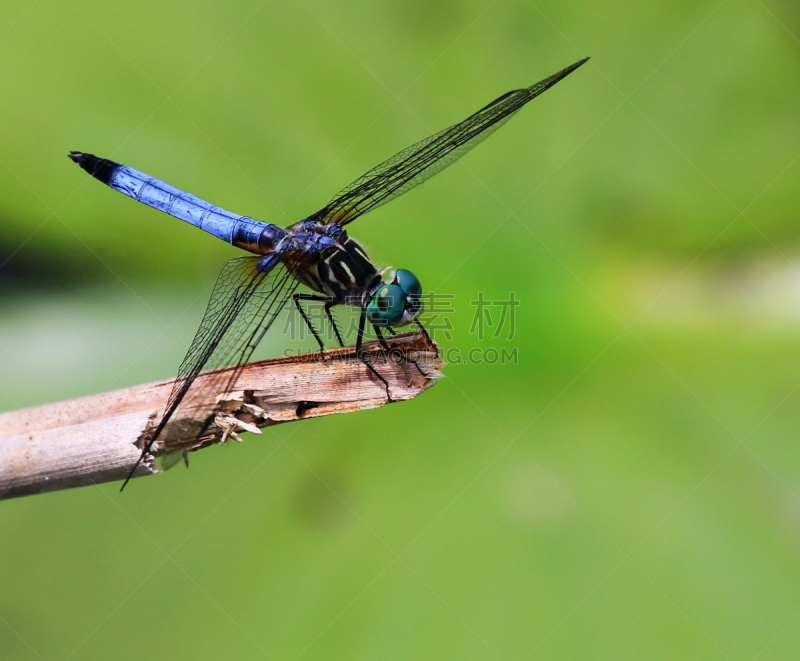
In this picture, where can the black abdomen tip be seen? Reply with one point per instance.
(100, 168)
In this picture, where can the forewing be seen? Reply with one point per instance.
(421, 161)
(245, 302)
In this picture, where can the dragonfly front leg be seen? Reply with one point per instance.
(362, 358)
(403, 357)
(427, 335)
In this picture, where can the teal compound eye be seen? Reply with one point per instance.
(387, 306)
(408, 282)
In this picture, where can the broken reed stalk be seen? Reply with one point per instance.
(99, 438)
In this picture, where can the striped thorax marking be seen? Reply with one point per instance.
(344, 274)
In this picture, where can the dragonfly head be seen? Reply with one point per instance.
(397, 303)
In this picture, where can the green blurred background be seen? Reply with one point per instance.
(630, 489)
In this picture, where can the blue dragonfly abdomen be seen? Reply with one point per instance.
(252, 235)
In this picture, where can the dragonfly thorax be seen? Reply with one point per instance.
(343, 273)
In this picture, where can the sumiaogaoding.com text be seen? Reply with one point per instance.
(491, 318)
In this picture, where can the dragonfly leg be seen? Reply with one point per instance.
(389, 328)
(427, 335)
(362, 357)
(328, 307)
(310, 297)
(403, 357)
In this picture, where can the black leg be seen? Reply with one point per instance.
(390, 330)
(379, 335)
(361, 357)
(309, 297)
(427, 336)
(403, 357)
(328, 307)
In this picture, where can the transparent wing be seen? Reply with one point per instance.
(421, 161)
(245, 302)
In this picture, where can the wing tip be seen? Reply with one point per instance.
(548, 82)
(572, 67)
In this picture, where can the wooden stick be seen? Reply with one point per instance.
(99, 438)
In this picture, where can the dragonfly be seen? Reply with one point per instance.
(316, 252)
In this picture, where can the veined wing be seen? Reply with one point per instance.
(421, 161)
(246, 300)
